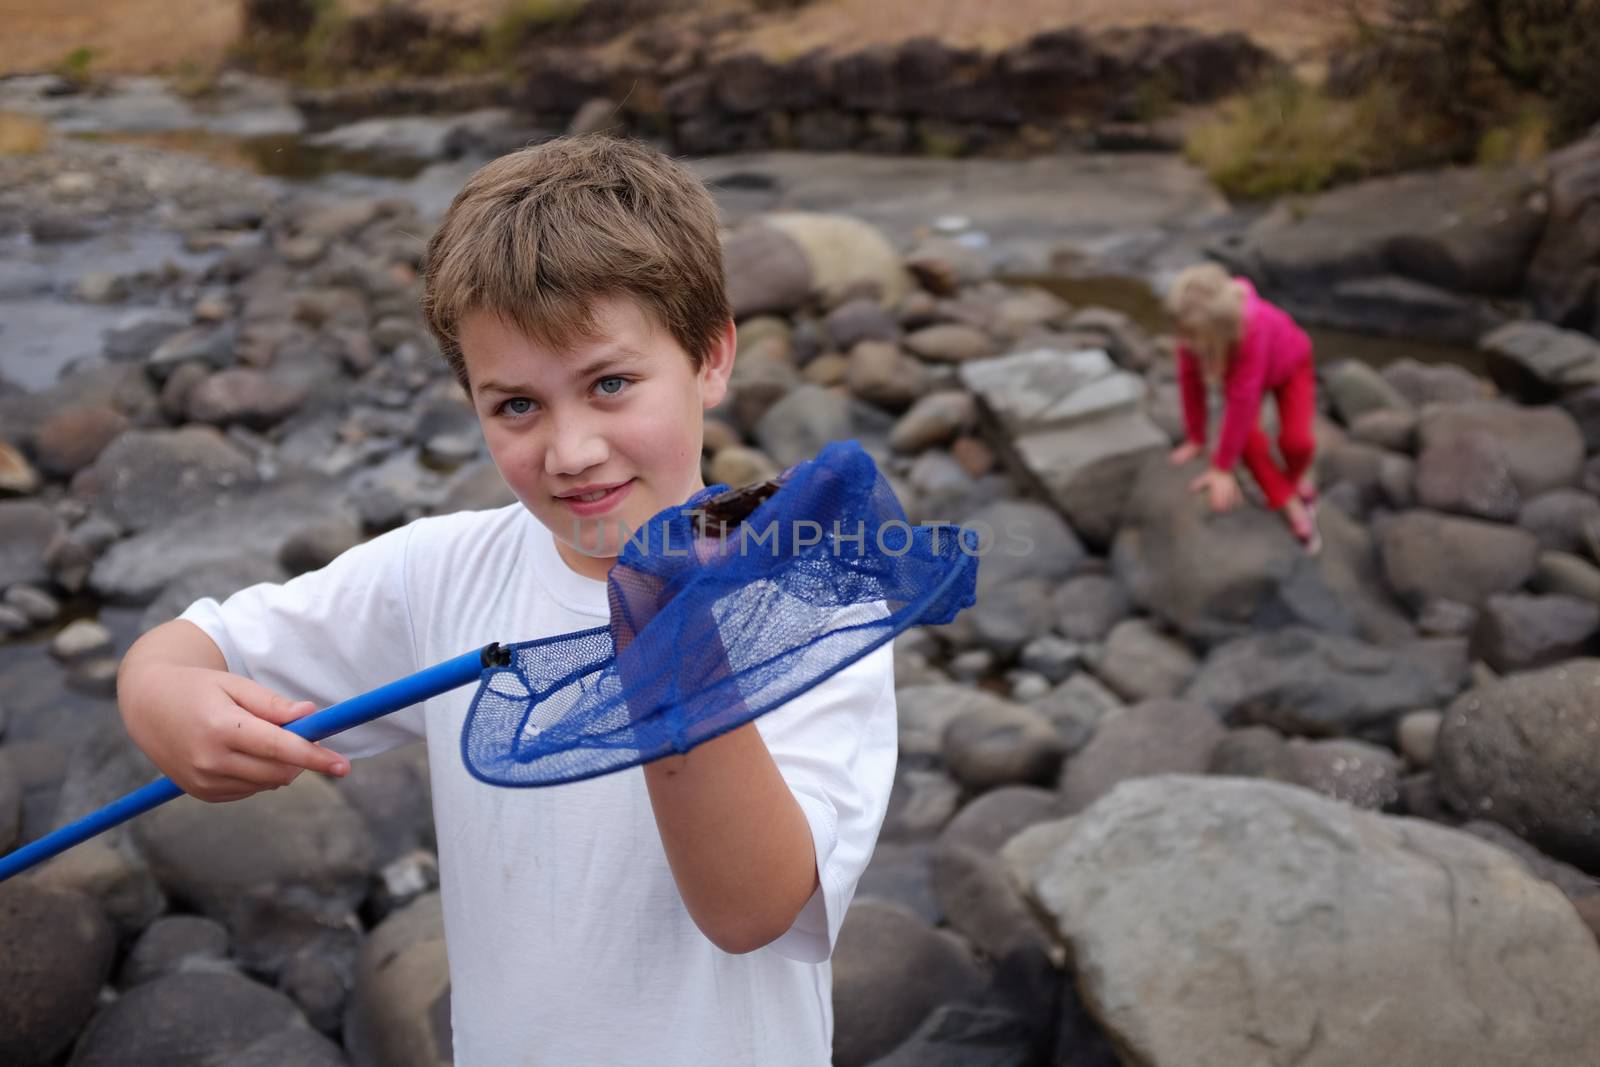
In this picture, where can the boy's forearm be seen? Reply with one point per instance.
(739, 845)
(175, 644)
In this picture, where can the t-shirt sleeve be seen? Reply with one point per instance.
(326, 636)
(836, 748)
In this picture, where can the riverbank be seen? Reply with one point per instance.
(1156, 712)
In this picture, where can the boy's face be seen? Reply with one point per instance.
(596, 438)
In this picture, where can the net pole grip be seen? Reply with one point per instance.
(412, 689)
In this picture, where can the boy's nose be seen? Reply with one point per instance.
(574, 449)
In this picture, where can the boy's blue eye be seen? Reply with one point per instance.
(517, 405)
(611, 386)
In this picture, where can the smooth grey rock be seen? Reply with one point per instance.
(1521, 631)
(1139, 662)
(1001, 744)
(1427, 554)
(58, 953)
(1155, 737)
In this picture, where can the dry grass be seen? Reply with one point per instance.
(124, 36)
(21, 135)
(140, 36)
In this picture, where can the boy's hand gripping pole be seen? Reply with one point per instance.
(412, 689)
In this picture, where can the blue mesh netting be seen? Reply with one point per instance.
(707, 634)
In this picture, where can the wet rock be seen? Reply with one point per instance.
(400, 1005)
(1524, 751)
(1355, 772)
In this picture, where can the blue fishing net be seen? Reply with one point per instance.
(714, 622)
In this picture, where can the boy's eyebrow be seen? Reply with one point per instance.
(593, 367)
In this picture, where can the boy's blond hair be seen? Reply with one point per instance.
(537, 236)
(1208, 307)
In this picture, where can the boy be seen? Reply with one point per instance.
(679, 913)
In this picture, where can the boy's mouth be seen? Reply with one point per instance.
(595, 499)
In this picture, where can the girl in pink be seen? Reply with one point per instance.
(1229, 335)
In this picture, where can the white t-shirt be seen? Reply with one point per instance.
(568, 942)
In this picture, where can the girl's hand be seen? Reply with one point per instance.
(1221, 488)
(1184, 453)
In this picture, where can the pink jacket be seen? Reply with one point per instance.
(1272, 349)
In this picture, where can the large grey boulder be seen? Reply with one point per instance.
(1524, 751)
(1538, 361)
(1520, 631)
(1217, 922)
(1564, 276)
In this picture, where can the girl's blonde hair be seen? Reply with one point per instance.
(1207, 306)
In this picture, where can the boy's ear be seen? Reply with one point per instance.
(718, 366)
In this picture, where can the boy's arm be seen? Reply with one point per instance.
(739, 846)
(213, 733)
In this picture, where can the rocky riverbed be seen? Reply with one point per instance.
(1170, 793)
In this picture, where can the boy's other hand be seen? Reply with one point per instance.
(218, 735)
(1184, 453)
